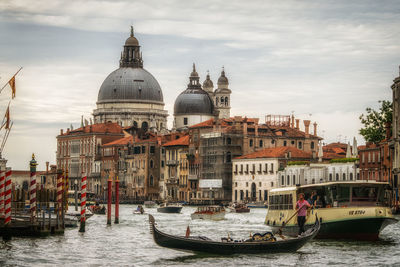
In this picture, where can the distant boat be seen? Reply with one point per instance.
(238, 208)
(253, 205)
(150, 204)
(214, 213)
(139, 210)
(169, 208)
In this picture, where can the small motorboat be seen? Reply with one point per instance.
(150, 204)
(257, 243)
(77, 214)
(97, 209)
(238, 208)
(139, 210)
(214, 213)
(169, 208)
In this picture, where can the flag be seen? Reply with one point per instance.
(12, 85)
(7, 116)
(187, 232)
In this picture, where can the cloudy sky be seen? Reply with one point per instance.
(322, 60)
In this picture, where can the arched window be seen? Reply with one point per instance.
(151, 180)
(344, 176)
(337, 176)
(330, 177)
(351, 176)
(228, 141)
(151, 164)
(288, 180)
(283, 180)
(294, 179)
(300, 145)
(226, 101)
(145, 126)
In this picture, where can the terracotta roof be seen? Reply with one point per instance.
(211, 123)
(109, 127)
(183, 141)
(122, 141)
(277, 152)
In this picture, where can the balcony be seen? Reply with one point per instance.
(172, 162)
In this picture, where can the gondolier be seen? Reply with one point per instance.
(301, 207)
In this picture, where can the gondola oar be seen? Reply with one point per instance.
(291, 217)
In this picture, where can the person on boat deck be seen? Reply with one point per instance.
(313, 197)
(301, 207)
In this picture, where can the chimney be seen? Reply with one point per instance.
(387, 128)
(292, 121)
(297, 124)
(315, 128)
(61, 132)
(307, 126)
(47, 166)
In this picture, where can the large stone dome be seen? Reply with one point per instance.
(130, 85)
(193, 101)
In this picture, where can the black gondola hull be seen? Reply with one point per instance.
(214, 247)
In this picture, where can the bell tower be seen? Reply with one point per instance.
(222, 96)
(131, 56)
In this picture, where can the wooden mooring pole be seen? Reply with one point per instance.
(109, 182)
(116, 201)
(32, 189)
(83, 205)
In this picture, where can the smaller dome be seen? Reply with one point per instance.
(222, 79)
(191, 102)
(131, 41)
(208, 83)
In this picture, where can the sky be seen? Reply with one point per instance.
(326, 61)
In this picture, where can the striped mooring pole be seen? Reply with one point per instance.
(116, 200)
(59, 193)
(83, 205)
(32, 189)
(7, 199)
(2, 184)
(66, 190)
(109, 183)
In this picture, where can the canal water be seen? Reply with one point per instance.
(129, 243)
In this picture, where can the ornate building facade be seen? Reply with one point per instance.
(130, 95)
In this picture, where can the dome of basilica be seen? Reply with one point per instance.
(130, 85)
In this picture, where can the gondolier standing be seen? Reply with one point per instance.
(301, 208)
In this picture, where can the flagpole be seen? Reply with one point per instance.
(10, 79)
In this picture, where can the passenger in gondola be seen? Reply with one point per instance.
(301, 207)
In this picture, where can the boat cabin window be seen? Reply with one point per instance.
(281, 202)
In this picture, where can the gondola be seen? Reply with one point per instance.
(258, 243)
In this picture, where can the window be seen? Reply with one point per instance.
(151, 180)
(228, 157)
(312, 145)
(272, 168)
(152, 149)
(162, 164)
(351, 176)
(236, 195)
(261, 143)
(288, 180)
(236, 168)
(283, 180)
(228, 141)
(344, 176)
(259, 184)
(247, 194)
(292, 142)
(294, 179)
(185, 121)
(143, 149)
(151, 164)
(251, 142)
(284, 143)
(330, 177)
(300, 145)
(337, 176)
(266, 167)
(247, 184)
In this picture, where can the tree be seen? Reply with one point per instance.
(375, 122)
